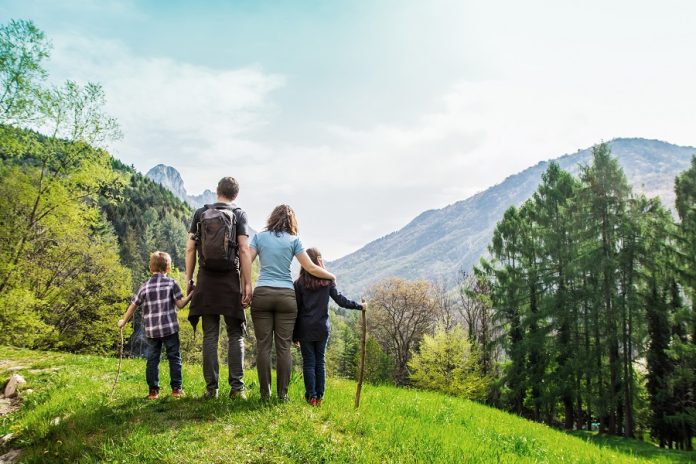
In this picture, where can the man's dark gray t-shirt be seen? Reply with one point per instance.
(219, 292)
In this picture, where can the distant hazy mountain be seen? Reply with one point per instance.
(439, 242)
(205, 198)
(170, 178)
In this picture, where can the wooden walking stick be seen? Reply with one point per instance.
(363, 341)
(118, 371)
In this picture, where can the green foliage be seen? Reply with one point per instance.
(146, 217)
(75, 112)
(449, 363)
(681, 418)
(379, 366)
(582, 277)
(23, 48)
(22, 325)
(401, 313)
(60, 269)
(685, 188)
(343, 346)
(60, 266)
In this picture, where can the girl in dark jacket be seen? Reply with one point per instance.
(312, 326)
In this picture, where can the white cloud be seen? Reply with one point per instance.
(172, 112)
(369, 182)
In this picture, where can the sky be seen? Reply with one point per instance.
(361, 115)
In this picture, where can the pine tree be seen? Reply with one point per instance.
(604, 194)
(508, 294)
(551, 211)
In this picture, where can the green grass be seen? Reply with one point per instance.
(392, 425)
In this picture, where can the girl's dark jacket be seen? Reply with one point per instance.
(312, 324)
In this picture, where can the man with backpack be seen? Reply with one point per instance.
(219, 237)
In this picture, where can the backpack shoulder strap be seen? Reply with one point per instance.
(228, 207)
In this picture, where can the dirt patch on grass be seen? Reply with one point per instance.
(9, 405)
(47, 369)
(9, 365)
(11, 456)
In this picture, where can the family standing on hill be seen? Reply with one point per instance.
(282, 311)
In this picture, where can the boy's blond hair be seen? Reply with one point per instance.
(160, 262)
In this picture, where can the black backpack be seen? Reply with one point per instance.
(217, 238)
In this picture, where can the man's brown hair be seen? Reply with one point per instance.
(282, 219)
(228, 188)
(160, 262)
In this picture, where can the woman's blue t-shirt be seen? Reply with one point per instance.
(275, 254)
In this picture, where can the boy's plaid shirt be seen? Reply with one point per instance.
(156, 299)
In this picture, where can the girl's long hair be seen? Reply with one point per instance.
(306, 279)
(282, 219)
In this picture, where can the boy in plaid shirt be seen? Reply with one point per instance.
(159, 297)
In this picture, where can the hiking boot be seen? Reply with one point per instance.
(154, 394)
(210, 395)
(313, 401)
(319, 401)
(238, 394)
(177, 392)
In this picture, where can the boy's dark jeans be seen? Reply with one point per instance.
(154, 350)
(314, 367)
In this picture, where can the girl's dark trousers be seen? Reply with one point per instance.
(314, 367)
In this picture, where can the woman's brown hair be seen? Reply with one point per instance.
(282, 219)
(306, 279)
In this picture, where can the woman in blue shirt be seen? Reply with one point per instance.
(273, 307)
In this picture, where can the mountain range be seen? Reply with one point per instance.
(170, 178)
(439, 242)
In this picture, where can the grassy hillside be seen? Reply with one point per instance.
(393, 425)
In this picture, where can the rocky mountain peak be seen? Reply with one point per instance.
(169, 178)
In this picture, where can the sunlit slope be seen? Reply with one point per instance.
(67, 418)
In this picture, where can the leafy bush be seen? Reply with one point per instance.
(449, 363)
(21, 324)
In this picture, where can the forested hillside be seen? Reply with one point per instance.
(76, 225)
(147, 217)
(61, 278)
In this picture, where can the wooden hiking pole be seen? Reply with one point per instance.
(118, 370)
(363, 342)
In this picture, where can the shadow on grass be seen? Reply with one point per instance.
(635, 448)
(87, 433)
